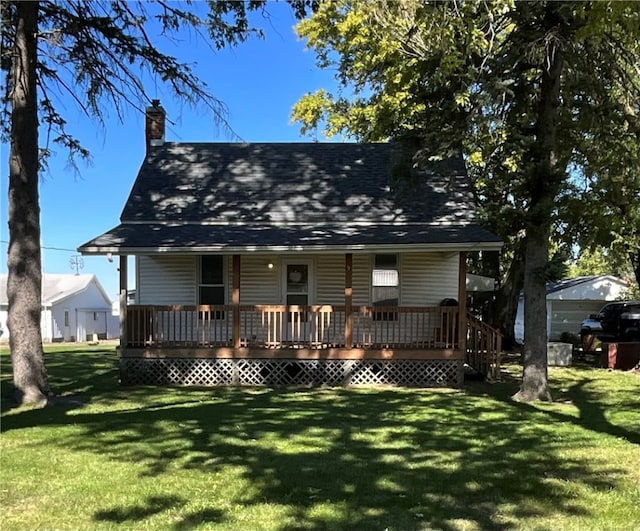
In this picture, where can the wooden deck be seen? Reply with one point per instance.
(284, 327)
(322, 344)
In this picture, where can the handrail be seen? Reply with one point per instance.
(484, 347)
(282, 326)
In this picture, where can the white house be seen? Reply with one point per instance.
(74, 308)
(296, 263)
(571, 301)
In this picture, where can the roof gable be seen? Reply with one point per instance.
(57, 287)
(603, 287)
(282, 183)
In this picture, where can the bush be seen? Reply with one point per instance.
(569, 337)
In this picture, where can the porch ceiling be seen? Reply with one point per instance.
(143, 238)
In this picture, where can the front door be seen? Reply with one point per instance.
(297, 290)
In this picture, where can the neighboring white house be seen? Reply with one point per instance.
(74, 308)
(571, 301)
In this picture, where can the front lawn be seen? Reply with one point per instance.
(111, 457)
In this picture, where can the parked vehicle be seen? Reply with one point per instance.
(590, 325)
(619, 320)
(630, 324)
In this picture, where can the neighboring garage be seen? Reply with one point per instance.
(74, 308)
(571, 301)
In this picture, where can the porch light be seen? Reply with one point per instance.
(270, 265)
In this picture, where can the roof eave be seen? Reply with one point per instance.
(231, 249)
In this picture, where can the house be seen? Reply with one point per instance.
(296, 263)
(74, 308)
(570, 301)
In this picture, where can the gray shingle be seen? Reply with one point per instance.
(224, 196)
(299, 182)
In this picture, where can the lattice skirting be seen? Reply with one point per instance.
(207, 372)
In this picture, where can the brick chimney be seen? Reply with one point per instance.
(155, 124)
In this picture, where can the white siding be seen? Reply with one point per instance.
(81, 306)
(56, 319)
(330, 279)
(427, 278)
(258, 283)
(47, 327)
(4, 331)
(361, 279)
(164, 279)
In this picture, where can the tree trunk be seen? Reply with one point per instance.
(24, 262)
(544, 184)
(534, 373)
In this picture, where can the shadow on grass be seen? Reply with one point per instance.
(591, 405)
(396, 458)
(78, 377)
(154, 505)
(593, 414)
(84, 375)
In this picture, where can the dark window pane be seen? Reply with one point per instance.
(211, 295)
(211, 270)
(386, 261)
(297, 300)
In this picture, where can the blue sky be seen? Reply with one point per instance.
(258, 80)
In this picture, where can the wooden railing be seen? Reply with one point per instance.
(278, 326)
(484, 347)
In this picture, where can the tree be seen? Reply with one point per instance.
(609, 191)
(23, 285)
(603, 261)
(527, 91)
(100, 54)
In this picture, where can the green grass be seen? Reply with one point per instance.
(283, 459)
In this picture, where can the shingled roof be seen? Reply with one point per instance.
(211, 197)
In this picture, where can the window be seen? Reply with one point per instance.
(211, 286)
(66, 318)
(385, 284)
(95, 316)
(297, 288)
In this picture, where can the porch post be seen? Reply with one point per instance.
(235, 300)
(462, 302)
(123, 300)
(348, 295)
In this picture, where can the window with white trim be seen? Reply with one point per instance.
(211, 285)
(385, 284)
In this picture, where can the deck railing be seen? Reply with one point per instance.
(279, 326)
(484, 347)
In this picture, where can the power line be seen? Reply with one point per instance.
(49, 248)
